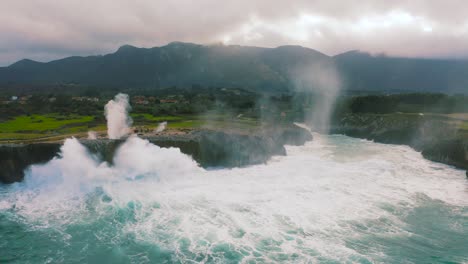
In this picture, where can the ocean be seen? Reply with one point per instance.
(334, 200)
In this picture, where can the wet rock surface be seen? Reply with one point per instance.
(435, 138)
(15, 158)
(453, 152)
(209, 148)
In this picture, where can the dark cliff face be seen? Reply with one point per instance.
(15, 158)
(104, 149)
(218, 149)
(436, 139)
(208, 148)
(453, 152)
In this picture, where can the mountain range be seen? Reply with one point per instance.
(254, 68)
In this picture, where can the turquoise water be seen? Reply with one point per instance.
(334, 200)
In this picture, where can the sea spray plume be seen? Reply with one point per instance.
(77, 170)
(138, 158)
(161, 127)
(73, 171)
(57, 190)
(118, 120)
(317, 84)
(92, 135)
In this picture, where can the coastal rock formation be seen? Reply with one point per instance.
(209, 148)
(15, 158)
(437, 139)
(453, 152)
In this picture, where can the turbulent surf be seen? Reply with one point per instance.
(335, 199)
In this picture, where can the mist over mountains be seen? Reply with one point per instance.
(254, 68)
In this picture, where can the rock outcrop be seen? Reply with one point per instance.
(453, 152)
(437, 139)
(15, 158)
(209, 148)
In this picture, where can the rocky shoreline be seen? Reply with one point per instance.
(435, 138)
(208, 147)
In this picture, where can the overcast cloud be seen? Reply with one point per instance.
(49, 29)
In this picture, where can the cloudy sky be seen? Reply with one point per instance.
(49, 29)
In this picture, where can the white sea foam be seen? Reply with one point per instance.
(118, 120)
(305, 204)
(161, 127)
(92, 135)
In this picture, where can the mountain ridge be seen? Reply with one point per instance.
(254, 68)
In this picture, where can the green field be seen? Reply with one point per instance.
(151, 118)
(56, 126)
(42, 123)
(43, 126)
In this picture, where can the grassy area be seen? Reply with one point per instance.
(464, 129)
(151, 118)
(186, 124)
(36, 127)
(456, 121)
(463, 121)
(56, 126)
(464, 125)
(20, 136)
(41, 123)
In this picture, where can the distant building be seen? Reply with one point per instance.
(140, 100)
(85, 99)
(24, 99)
(14, 98)
(171, 101)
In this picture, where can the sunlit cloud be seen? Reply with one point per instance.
(85, 27)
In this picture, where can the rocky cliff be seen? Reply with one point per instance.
(209, 148)
(437, 138)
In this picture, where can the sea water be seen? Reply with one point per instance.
(334, 200)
